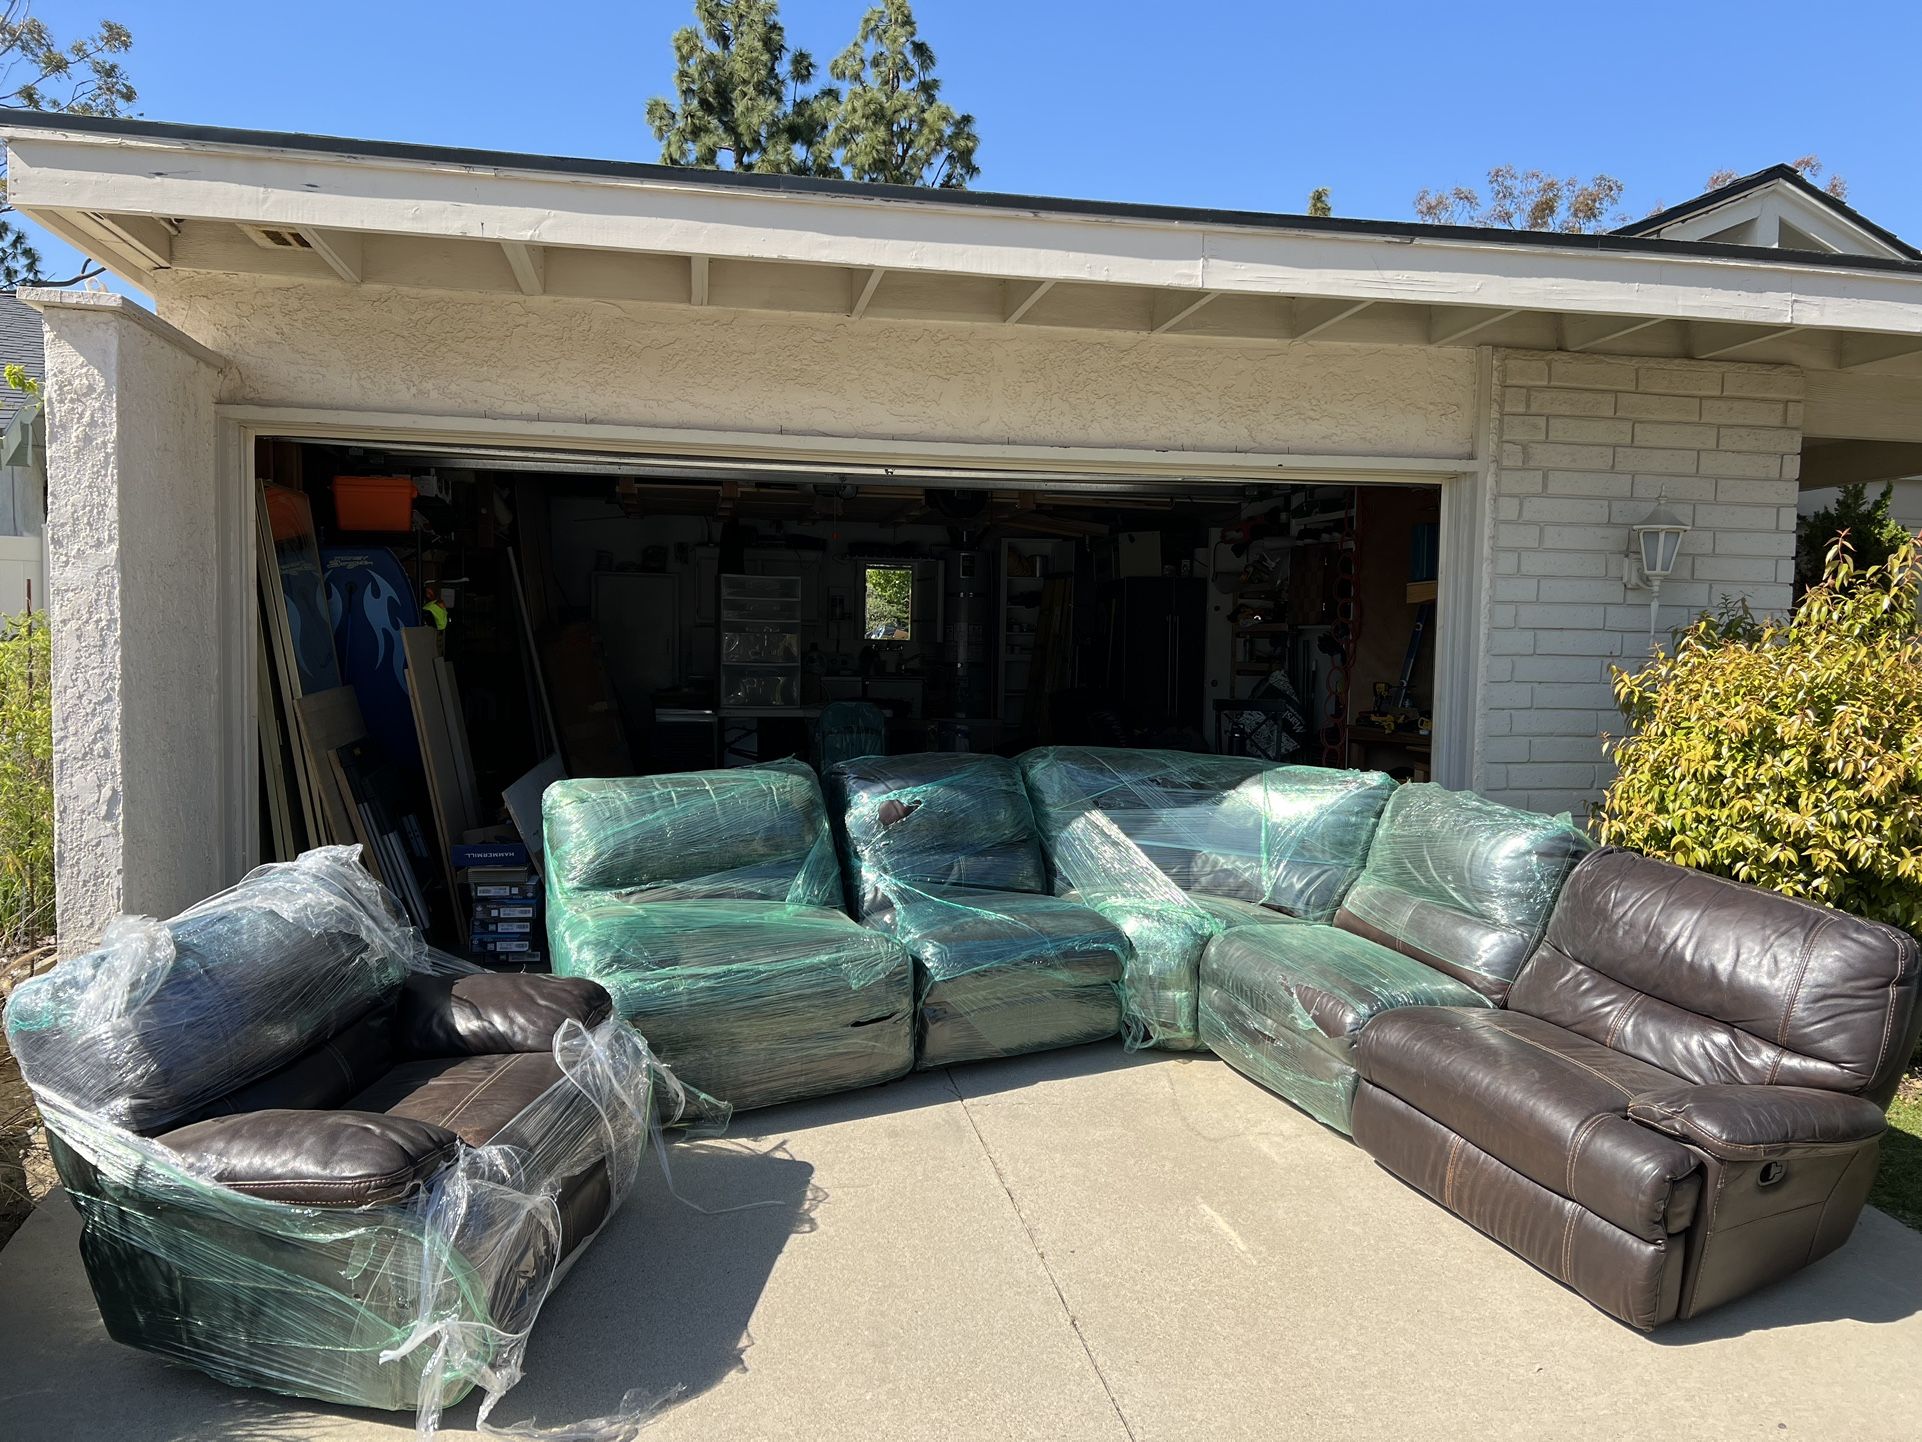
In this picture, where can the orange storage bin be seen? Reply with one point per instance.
(374, 503)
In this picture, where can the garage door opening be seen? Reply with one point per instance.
(444, 632)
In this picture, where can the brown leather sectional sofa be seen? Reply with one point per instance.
(306, 1164)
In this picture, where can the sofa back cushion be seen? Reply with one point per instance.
(1292, 837)
(943, 819)
(168, 1019)
(751, 832)
(1718, 982)
(1462, 883)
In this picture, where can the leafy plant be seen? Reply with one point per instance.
(1787, 751)
(26, 780)
(1873, 533)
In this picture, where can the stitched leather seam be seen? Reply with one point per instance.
(1621, 1087)
(1568, 1242)
(1448, 1178)
(1710, 1140)
(1622, 1016)
(340, 1060)
(412, 1172)
(1708, 1231)
(484, 1083)
(1801, 973)
(1582, 1134)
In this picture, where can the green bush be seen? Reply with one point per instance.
(1787, 752)
(26, 781)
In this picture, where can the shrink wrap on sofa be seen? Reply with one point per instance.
(754, 1002)
(708, 904)
(942, 854)
(751, 831)
(1176, 848)
(1463, 883)
(405, 1303)
(1284, 1005)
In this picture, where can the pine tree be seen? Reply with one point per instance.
(37, 72)
(890, 123)
(740, 93)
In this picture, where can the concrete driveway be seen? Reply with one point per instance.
(1082, 1244)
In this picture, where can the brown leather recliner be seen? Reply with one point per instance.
(303, 1161)
(1682, 1100)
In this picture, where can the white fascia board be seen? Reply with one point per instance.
(59, 171)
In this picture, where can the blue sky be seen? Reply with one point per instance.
(1242, 106)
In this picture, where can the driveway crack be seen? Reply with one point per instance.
(1034, 1245)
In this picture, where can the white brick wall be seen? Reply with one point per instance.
(1583, 448)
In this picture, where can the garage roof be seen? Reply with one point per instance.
(149, 198)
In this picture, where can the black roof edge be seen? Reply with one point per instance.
(1740, 186)
(344, 147)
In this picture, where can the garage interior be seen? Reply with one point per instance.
(445, 631)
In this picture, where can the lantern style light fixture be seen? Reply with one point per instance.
(1653, 545)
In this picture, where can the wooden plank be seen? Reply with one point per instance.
(457, 734)
(420, 646)
(272, 760)
(370, 854)
(306, 813)
(536, 679)
(328, 721)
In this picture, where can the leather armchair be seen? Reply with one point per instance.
(270, 1125)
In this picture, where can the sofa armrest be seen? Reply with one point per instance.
(489, 1013)
(1755, 1123)
(314, 1158)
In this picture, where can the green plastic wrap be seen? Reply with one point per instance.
(1463, 883)
(406, 1304)
(942, 854)
(753, 1002)
(1284, 1004)
(1175, 848)
(1454, 896)
(708, 904)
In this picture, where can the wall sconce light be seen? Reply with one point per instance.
(1653, 545)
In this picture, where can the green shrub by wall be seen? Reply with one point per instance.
(26, 781)
(1787, 752)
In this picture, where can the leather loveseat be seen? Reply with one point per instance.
(302, 1163)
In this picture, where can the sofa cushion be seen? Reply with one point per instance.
(473, 1097)
(486, 1012)
(1719, 982)
(750, 1002)
(1461, 883)
(935, 820)
(1166, 938)
(350, 1158)
(1549, 1103)
(1321, 983)
(167, 1018)
(757, 832)
(1289, 836)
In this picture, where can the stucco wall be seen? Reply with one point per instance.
(1584, 446)
(382, 348)
(132, 531)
